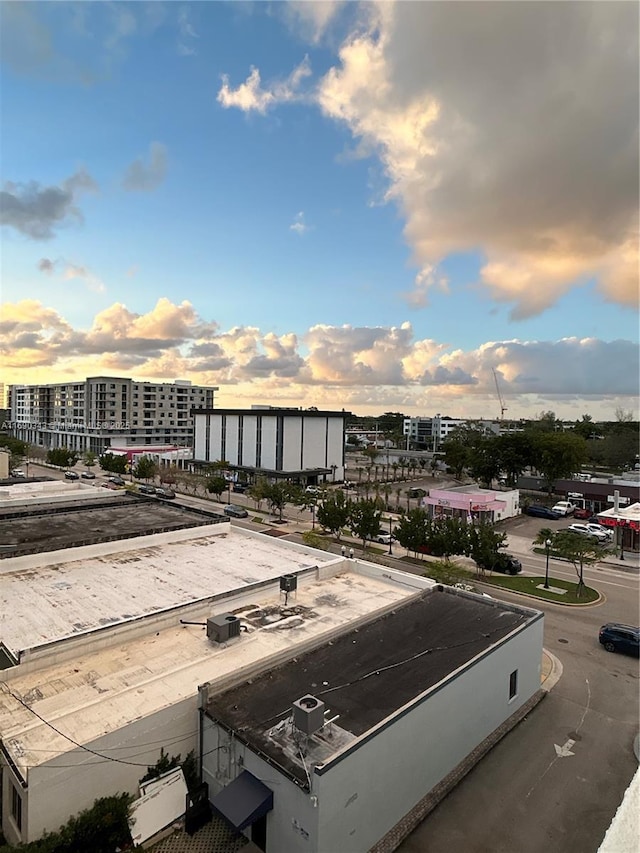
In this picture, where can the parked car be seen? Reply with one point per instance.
(116, 480)
(18, 473)
(164, 492)
(599, 528)
(540, 511)
(506, 564)
(590, 531)
(88, 475)
(240, 488)
(581, 512)
(312, 490)
(71, 475)
(564, 508)
(383, 538)
(146, 489)
(235, 511)
(620, 638)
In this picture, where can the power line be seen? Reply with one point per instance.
(7, 689)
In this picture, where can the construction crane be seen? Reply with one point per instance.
(503, 408)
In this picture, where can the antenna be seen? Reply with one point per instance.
(503, 408)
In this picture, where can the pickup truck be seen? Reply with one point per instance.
(564, 508)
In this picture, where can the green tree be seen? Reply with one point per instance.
(372, 454)
(18, 450)
(365, 517)
(115, 463)
(89, 459)
(557, 455)
(146, 469)
(258, 491)
(515, 453)
(62, 457)
(277, 494)
(216, 485)
(448, 536)
(484, 545)
(102, 828)
(412, 530)
(580, 550)
(333, 512)
(457, 453)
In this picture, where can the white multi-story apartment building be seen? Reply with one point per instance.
(431, 431)
(101, 411)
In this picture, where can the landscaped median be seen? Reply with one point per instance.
(560, 591)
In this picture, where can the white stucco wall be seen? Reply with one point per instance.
(249, 430)
(71, 782)
(231, 439)
(292, 826)
(292, 444)
(363, 796)
(358, 799)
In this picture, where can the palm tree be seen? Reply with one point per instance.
(394, 465)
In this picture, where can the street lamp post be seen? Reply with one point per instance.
(547, 545)
(313, 515)
(390, 538)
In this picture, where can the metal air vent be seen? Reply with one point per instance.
(308, 714)
(288, 583)
(223, 627)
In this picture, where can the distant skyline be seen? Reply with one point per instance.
(367, 206)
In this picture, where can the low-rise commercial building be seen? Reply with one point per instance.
(112, 613)
(472, 502)
(302, 445)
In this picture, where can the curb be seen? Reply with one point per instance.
(555, 673)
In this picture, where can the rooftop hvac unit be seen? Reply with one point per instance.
(223, 627)
(308, 714)
(288, 583)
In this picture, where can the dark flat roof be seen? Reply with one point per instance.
(52, 527)
(367, 674)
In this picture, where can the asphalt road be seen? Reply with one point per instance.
(523, 798)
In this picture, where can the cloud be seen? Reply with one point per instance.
(371, 367)
(299, 225)
(142, 177)
(186, 31)
(506, 128)
(70, 271)
(37, 211)
(311, 19)
(250, 96)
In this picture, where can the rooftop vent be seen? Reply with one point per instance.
(223, 627)
(308, 714)
(288, 583)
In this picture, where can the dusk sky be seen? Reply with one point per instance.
(343, 205)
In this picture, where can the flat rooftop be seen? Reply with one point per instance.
(100, 690)
(47, 597)
(365, 675)
(97, 516)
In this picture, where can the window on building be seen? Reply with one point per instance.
(513, 684)
(16, 806)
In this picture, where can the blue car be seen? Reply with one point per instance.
(620, 638)
(540, 511)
